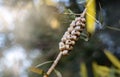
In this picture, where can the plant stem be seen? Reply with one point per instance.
(54, 64)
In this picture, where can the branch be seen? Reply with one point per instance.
(61, 53)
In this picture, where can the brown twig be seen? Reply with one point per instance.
(54, 64)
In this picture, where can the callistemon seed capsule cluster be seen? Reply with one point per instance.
(71, 35)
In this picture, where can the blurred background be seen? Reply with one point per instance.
(30, 31)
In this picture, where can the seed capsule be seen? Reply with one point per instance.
(68, 37)
(82, 24)
(73, 24)
(77, 28)
(61, 46)
(69, 42)
(68, 47)
(78, 23)
(73, 37)
(66, 34)
(65, 52)
(83, 20)
(70, 29)
(63, 39)
(74, 32)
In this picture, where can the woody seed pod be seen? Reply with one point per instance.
(82, 24)
(83, 20)
(73, 24)
(78, 23)
(65, 52)
(66, 34)
(70, 29)
(63, 39)
(74, 32)
(69, 42)
(77, 28)
(69, 37)
(61, 46)
(73, 37)
(68, 47)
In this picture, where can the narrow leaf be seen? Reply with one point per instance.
(95, 70)
(91, 10)
(36, 70)
(113, 28)
(104, 68)
(47, 62)
(57, 73)
(112, 58)
(83, 70)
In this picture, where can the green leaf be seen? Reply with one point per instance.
(57, 73)
(83, 69)
(47, 62)
(84, 36)
(39, 71)
(70, 12)
(36, 70)
(91, 9)
(112, 58)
